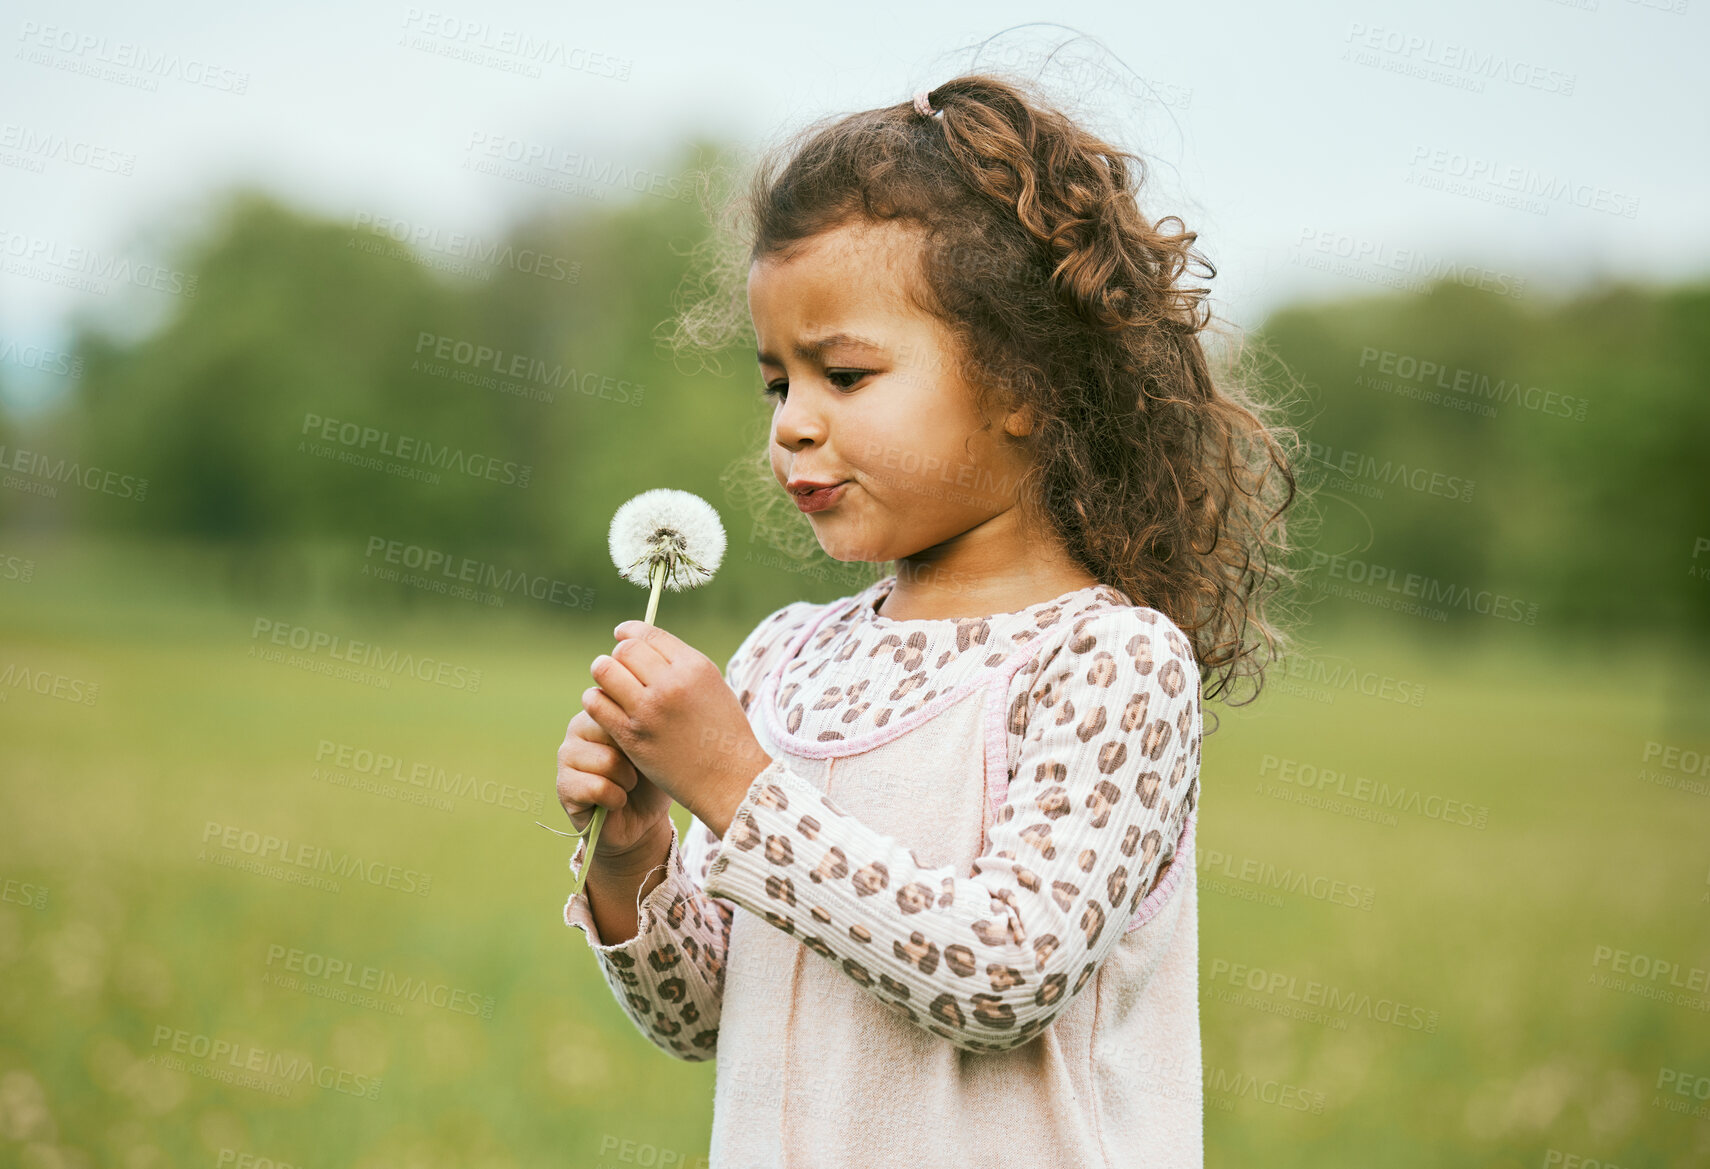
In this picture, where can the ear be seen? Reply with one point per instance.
(1020, 423)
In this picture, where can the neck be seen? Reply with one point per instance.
(925, 590)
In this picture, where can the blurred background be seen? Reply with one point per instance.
(1454, 861)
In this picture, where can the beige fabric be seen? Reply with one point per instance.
(812, 1071)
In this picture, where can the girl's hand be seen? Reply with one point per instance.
(666, 705)
(593, 771)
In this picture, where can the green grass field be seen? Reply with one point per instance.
(1383, 982)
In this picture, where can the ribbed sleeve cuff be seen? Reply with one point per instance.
(578, 914)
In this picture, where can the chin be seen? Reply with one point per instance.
(841, 550)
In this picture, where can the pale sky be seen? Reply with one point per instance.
(1320, 150)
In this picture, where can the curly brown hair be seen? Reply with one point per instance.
(1164, 479)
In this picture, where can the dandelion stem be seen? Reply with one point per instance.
(656, 573)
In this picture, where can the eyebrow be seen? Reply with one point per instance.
(807, 350)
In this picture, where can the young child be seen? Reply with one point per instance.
(937, 905)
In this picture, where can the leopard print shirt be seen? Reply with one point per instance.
(1103, 740)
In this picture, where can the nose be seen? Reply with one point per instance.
(797, 422)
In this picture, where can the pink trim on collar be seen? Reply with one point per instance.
(814, 749)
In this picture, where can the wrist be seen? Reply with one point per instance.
(722, 808)
(635, 859)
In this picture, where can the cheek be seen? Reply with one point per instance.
(862, 444)
(905, 450)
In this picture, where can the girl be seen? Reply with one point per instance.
(937, 905)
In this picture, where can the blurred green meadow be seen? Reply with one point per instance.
(259, 907)
(1474, 971)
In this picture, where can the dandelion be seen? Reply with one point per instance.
(660, 538)
(666, 535)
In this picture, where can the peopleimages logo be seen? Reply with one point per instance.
(88, 269)
(40, 358)
(510, 156)
(38, 147)
(1266, 876)
(1676, 758)
(49, 684)
(1356, 465)
(352, 976)
(1391, 797)
(364, 654)
(371, 440)
(513, 50)
(434, 563)
(462, 246)
(47, 471)
(1341, 675)
(1427, 590)
(1451, 62)
(418, 773)
(246, 1057)
(1526, 184)
(312, 858)
(1471, 387)
(519, 370)
(101, 56)
(1640, 974)
(1310, 993)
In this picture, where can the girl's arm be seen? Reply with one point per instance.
(615, 892)
(669, 977)
(987, 960)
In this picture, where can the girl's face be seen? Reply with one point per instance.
(868, 391)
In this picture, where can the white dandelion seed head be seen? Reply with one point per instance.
(678, 528)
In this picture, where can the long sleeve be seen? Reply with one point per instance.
(1104, 776)
(669, 978)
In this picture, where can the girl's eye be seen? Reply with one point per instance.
(781, 388)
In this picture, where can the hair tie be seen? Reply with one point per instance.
(923, 106)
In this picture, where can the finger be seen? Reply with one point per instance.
(583, 726)
(665, 642)
(599, 759)
(620, 685)
(586, 730)
(581, 794)
(643, 659)
(603, 709)
(626, 775)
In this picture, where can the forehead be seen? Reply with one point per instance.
(863, 264)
